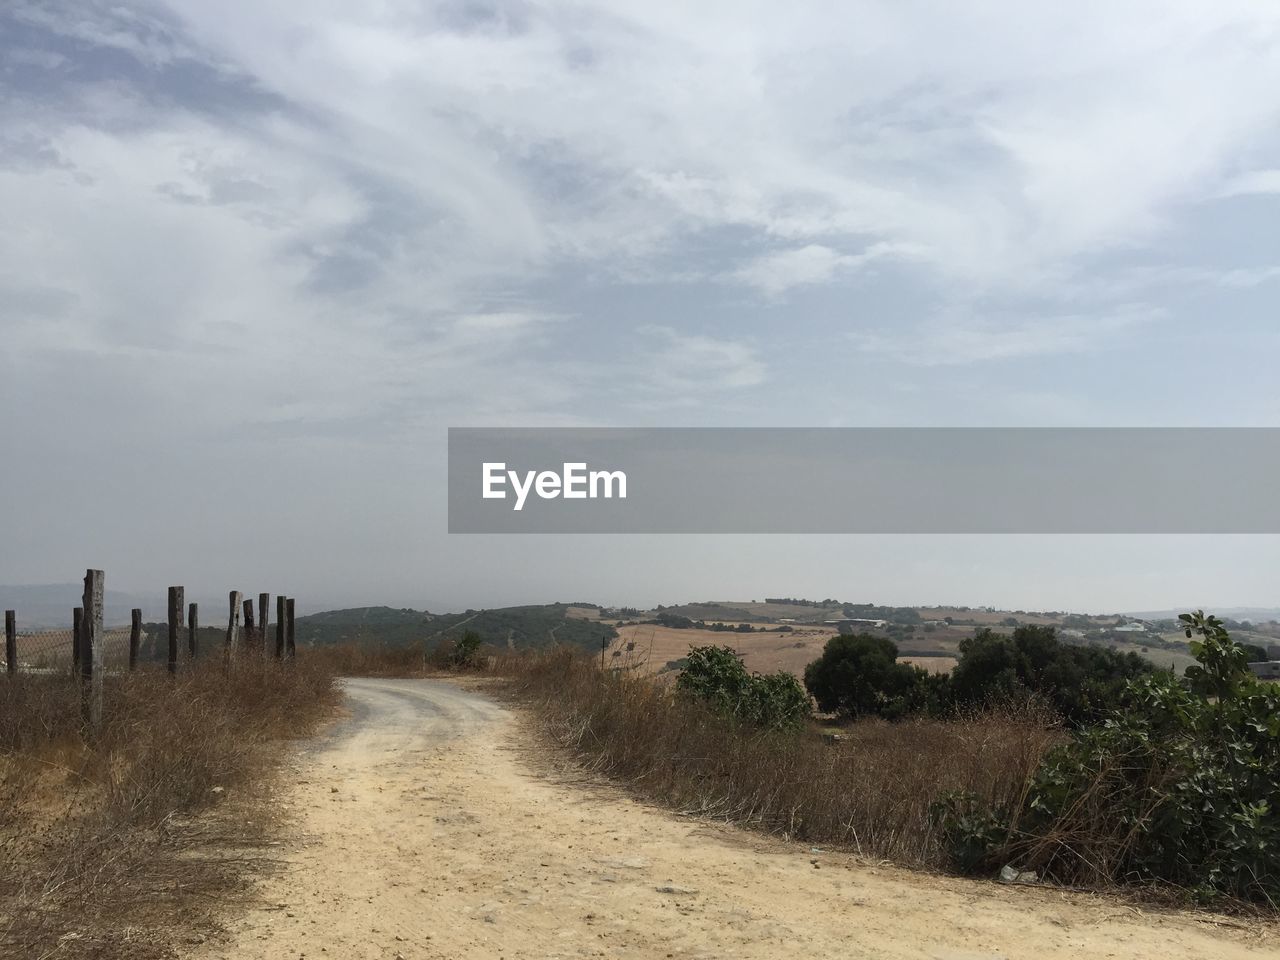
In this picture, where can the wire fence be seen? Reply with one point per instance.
(54, 651)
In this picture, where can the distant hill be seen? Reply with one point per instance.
(387, 625)
(518, 627)
(47, 606)
(1252, 614)
(523, 627)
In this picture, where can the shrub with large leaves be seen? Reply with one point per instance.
(718, 677)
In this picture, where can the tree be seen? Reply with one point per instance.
(1254, 653)
(859, 675)
(1081, 683)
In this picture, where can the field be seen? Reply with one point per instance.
(922, 636)
(655, 647)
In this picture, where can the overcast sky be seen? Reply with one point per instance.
(256, 256)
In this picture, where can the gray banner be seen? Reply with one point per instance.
(864, 480)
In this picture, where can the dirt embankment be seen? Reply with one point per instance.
(428, 827)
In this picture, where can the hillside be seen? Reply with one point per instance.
(517, 627)
(530, 626)
(385, 625)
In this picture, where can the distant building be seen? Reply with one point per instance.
(1132, 628)
(1267, 670)
(849, 624)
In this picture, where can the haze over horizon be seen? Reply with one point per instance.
(258, 257)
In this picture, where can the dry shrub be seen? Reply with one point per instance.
(410, 660)
(372, 660)
(101, 849)
(869, 791)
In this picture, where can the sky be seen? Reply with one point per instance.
(257, 257)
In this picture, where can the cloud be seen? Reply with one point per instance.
(777, 272)
(954, 341)
(1257, 182)
(407, 194)
(679, 368)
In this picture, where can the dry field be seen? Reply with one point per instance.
(761, 652)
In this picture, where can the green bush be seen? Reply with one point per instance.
(716, 676)
(1177, 786)
(465, 649)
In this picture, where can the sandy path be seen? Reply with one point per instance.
(426, 832)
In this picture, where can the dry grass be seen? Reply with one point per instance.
(373, 660)
(104, 856)
(869, 791)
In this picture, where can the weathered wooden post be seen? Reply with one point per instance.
(248, 621)
(289, 635)
(175, 624)
(135, 638)
(264, 614)
(11, 641)
(91, 649)
(77, 627)
(280, 622)
(233, 623)
(193, 624)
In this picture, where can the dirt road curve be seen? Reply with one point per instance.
(428, 829)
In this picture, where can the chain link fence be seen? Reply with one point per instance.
(53, 651)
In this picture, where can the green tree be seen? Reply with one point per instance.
(860, 674)
(1254, 653)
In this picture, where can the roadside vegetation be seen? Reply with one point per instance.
(115, 844)
(689, 745)
(1178, 786)
(1073, 765)
(860, 675)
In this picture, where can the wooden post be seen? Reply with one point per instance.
(280, 618)
(175, 624)
(91, 649)
(77, 627)
(233, 623)
(193, 624)
(264, 614)
(289, 635)
(11, 641)
(135, 638)
(248, 621)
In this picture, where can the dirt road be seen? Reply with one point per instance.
(428, 828)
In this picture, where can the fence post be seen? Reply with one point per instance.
(175, 624)
(77, 628)
(280, 619)
(264, 614)
(248, 621)
(91, 648)
(233, 623)
(289, 636)
(193, 624)
(11, 641)
(135, 639)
